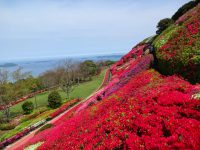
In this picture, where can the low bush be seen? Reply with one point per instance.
(28, 107)
(7, 126)
(47, 126)
(31, 116)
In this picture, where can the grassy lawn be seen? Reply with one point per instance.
(80, 91)
(85, 89)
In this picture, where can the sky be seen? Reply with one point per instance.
(31, 29)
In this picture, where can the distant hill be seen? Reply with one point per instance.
(8, 65)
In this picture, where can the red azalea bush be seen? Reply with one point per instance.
(149, 112)
(180, 54)
(189, 14)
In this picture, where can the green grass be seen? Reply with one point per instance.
(86, 89)
(83, 90)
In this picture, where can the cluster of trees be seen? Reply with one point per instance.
(15, 85)
(71, 73)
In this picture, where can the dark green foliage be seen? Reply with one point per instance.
(47, 126)
(109, 62)
(184, 9)
(163, 24)
(88, 68)
(48, 119)
(54, 99)
(28, 107)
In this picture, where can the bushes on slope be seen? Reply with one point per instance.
(150, 112)
(179, 53)
(182, 10)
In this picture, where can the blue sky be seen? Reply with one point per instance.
(54, 28)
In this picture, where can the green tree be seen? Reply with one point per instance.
(54, 99)
(28, 107)
(163, 24)
(88, 69)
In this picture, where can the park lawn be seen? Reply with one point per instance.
(41, 102)
(83, 90)
(87, 88)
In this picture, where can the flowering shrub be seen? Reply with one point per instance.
(188, 15)
(168, 33)
(149, 112)
(180, 53)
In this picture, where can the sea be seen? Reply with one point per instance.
(38, 66)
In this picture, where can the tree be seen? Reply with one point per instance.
(28, 107)
(5, 93)
(4, 74)
(88, 69)
(67, 79)
(18, 74)
(49, 78)
(54, 99)
(6, 97)
(163, 24)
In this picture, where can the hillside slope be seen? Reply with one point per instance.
(140, 108)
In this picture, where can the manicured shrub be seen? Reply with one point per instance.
(47, 126)
(164, 24)
(54, 100)
(28, 107)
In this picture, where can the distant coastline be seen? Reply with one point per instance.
(39, 66)
(7, 65)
